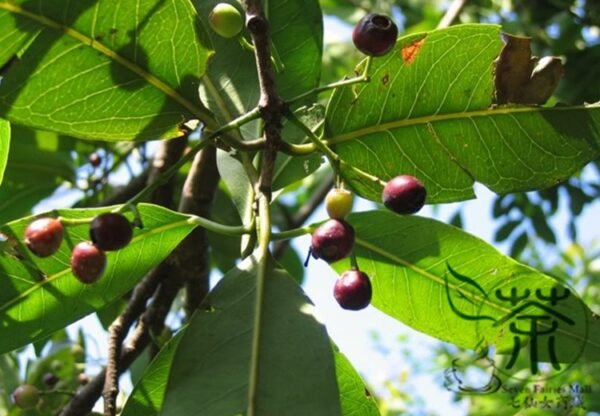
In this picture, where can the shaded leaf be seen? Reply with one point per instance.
(230, 87)
(97, 70)
(296, 373)
(40, 295)
(506, 230)
(27, 181)
(426, 111)
(519, 244)
(148, 394)
(355, 398)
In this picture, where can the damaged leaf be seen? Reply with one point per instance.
(524, 79)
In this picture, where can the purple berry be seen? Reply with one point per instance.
(111, 231)
(353, 290)
(404, 194)
(375, 34)
(50, 379)
(43, 236)
(87, 262)
(94, 159)
(332, 241)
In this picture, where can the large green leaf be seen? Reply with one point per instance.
(427, 111)
(449, 284)
(26, 180)
(104, 70)
(296, 373)
(40, 295)
(147, 396)
(4, 146)
(230, 86)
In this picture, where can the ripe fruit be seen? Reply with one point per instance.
(26, 396)
(353, 290)
(50, 379)
(43, 236)
(87, 262)
(332, 241)
(404, 194)
(375, 34)
(110, 231)
(226, 20)
(94, 159)
(338, 203)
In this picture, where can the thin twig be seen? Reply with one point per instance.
(452, 13)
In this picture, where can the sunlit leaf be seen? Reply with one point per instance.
(100, 70)
(427, 111)
(40, 295)
(449, 284)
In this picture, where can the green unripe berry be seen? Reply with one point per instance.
(338, 203)
(226, 20)
(26, 396)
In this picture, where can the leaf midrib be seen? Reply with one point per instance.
(391, 125)
(436, 279)
(55, 276)
(201, 113)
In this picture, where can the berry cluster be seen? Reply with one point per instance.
(334, 239)
(108, 232)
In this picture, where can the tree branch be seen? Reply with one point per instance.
(452, 13)
(192, 259)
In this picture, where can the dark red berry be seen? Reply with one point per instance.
(50, 379)
(111, 231)
(404, 194)
(332, 241)
(26, 396)
(87, 262)
(43, 236)
(353, 290)
(375, 34)
(94, 159)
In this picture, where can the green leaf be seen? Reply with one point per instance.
(230, 87)
(40, 295)
(103, 71)
(4, 146)
(148, 394)
(506, 229)
(289, 169)
(356, 400)
(427, 111)
(26, 180)
(444, 282)
(296, 373)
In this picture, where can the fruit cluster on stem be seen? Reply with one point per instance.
(108, 232)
